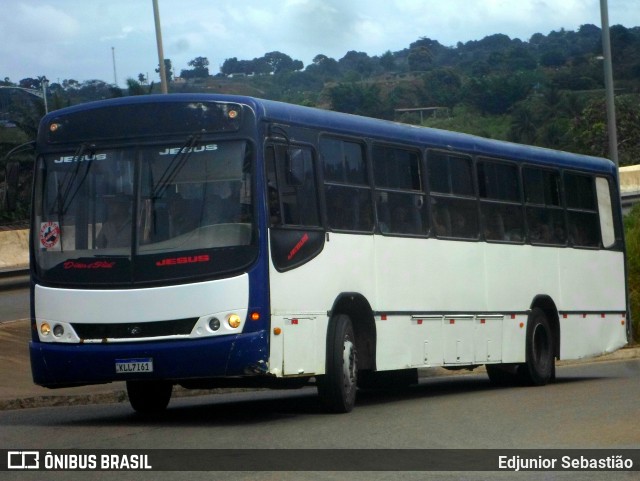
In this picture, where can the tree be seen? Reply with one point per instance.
(387, 61)
(168, 70)
(30, 83)
(280, 62)
(135, 87)
(200, 68)
(357, 98)
(324, 67)
(358, 62)
(442, 87)
(420, 59)
(496, 94)
(523, 128)
(590, 131)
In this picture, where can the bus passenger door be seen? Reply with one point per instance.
(296, 237)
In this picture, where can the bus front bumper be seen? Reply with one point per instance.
(65, 365)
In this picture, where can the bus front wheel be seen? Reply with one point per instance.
(149, 397)
(539, 366)
(337, 388)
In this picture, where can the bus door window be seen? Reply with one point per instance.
(453, 199)
(291, 184)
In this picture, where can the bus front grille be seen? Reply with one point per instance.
(135, 330)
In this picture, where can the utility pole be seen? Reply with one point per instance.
(113, 56)
(45, 84)
(163, 73)
(608, 82)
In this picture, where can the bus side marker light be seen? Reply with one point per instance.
(234, 320)
(622, 322)
(521, 325)
(45, 329)
(255, 316)
(277, 331)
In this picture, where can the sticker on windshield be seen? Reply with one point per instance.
(49, 234)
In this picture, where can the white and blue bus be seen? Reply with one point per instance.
(208, 240)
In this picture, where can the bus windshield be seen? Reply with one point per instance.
(144, 214)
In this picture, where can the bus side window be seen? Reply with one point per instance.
(346, 185)
(453, 199)
(544, 212)
(500, 201)
(605, 209)
(400, 202)
(582, 214)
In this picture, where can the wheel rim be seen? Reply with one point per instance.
(349, 365)
(541, 347)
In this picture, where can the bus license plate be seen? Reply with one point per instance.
(128, 366)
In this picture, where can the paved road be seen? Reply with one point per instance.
(14, 304)
(590, 406)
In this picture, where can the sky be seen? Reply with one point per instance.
(77, 39)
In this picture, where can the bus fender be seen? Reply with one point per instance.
(358, 308)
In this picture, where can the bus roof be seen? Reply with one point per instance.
(383, 130)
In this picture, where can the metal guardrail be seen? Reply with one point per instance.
(628, 199)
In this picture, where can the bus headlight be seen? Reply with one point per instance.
(234, 320)
(45, 328)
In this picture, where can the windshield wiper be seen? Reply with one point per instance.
(175, 165)
(65, 199)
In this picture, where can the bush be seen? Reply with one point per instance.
(632, 237)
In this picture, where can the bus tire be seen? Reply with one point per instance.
(149, 397)
(337, 388)
(539, 366)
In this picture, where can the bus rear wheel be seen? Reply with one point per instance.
(337, 388)
(540, 359)
(149, 397)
